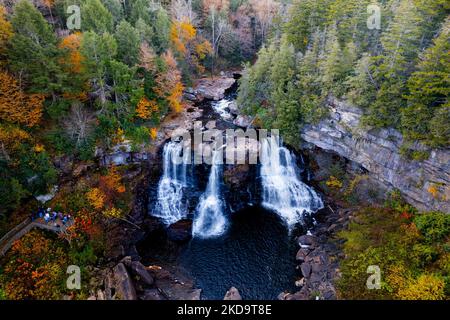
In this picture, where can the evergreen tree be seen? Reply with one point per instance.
(161, 30)
(306, 17)
(33, 52)
(116, 9)
(98, 51)
(427, 115)
(128, 42)
(400, 43)
(145, 31)
(95, 17)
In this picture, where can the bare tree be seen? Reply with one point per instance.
(181, 10)
(79, 123)
(265, 11)
(219, 27)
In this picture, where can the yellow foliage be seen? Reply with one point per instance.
(203, 49)
(334, 182)
(112, 212)
(425, 287)
(175, 97)
(11, 137)
(39, 148)
(433, 190)
(146, 108)
(96, 198)
(153, 133)
(17, 106)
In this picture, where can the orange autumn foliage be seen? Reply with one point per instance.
(171, 86)
(17, 106)
(96, 198)
(153, 133)
(74, 60)
(109, 188)
(181, 34)
(146, 108)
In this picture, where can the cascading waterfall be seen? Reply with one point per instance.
(170, 206)
(283, 192)
(221, 108)
(209, 219)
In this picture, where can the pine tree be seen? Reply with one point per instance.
(306, 17)
(145, 31)
(33, 52)
(116, 9)
(161, 31)
(427, 115)
(98, 51)
(400, 44)
(95, 17)
(128, 42)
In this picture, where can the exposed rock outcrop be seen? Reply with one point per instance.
(232, 294)
(378, 151)
(213, 89)
(123, 284)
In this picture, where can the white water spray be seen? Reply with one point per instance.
(170, 206)
(210, 221)
(283, 192)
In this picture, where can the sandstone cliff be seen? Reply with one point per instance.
(424, 184)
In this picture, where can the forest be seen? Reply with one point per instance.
(80, 78)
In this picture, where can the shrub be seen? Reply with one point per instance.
(434, 226)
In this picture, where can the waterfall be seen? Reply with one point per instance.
(222, 108)
(209, 219)
(170, 206)
(283, 192)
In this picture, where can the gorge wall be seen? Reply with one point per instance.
(424, 184)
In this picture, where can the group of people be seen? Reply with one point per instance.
(50, 216)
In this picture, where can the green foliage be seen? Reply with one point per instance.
(128, 41)
(33, 52)
(387, 238)
(427, 115)
(380, 71)
(95, 17)
(434, 226)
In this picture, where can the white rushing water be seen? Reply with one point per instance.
(209, 220)
(283, 192)
(222, 108)
(170, 206)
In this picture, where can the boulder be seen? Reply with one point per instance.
(305, 267)
(307, 240)
(243, 121)
(180, 231)
(122, 282)
(214, 89)
(139, 270)
(232, 294)
(152, 294)
(301, 254)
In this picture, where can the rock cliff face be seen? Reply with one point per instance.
(424, 184)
